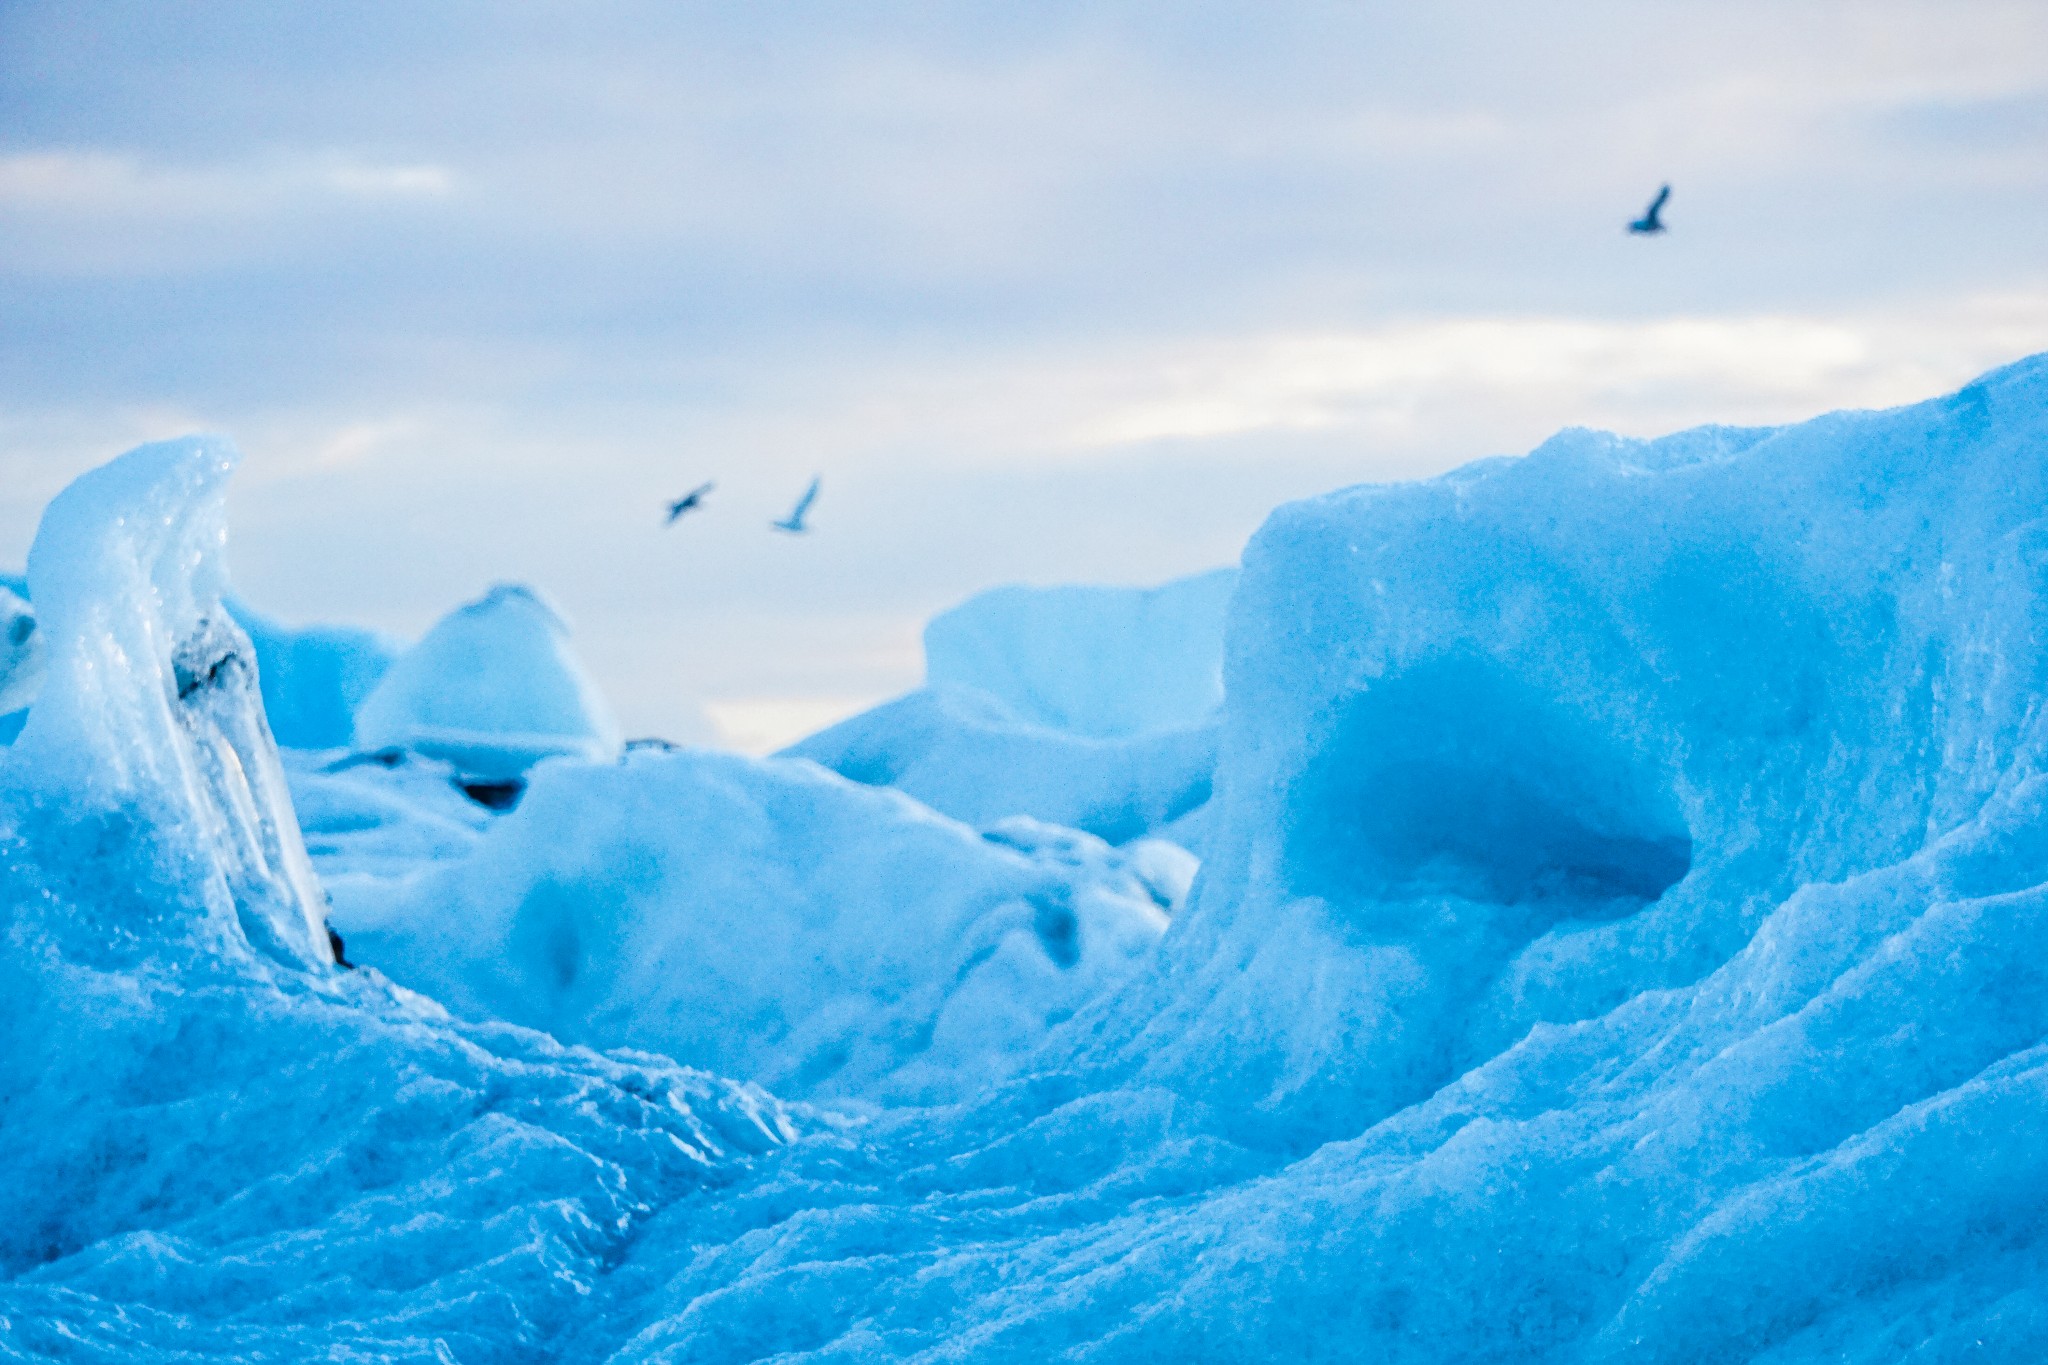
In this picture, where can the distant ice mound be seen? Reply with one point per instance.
(314, 677)
(493, 688)
(378, 818)
(766, 919)
(961, 752)
(1092, 707)
(1106, 662)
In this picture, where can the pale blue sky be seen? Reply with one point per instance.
(1046, 292)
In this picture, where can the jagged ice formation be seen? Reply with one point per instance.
(1618, 938)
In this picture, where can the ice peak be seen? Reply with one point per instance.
(494, 688)
(149, 702)
(516, 596)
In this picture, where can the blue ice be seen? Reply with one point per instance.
(1623, 876)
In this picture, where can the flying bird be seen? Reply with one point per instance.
(688, 502)
(1650, 222)
(794, 522)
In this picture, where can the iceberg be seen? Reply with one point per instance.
(1091, 707)
(493, 688)
(1105, 662)
(148, 710)
(962, 752)
(1617, 938)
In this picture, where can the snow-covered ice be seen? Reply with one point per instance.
(378, 818)
(214, 1144)
(1618, 937)
(764, 919)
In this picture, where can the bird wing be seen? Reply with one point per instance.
(1657, 203)
(687, 501)
(803, 504)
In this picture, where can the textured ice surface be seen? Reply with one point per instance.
(1106, 662)
(21, 672)
(761, 918)
(1619, 939)
(148, 711)
(492, 688)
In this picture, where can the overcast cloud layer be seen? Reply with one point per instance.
(1045, 292)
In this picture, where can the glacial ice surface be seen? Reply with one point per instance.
(1618, 938)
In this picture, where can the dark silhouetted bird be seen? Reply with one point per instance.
(794, 522)
(1650, 222)
(688, 502)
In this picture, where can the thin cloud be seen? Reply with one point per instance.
(392, 182)
(1046, 291)
(93, 182)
